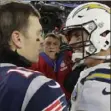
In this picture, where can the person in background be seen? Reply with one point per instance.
(22, 89)
(54, 62)
(91, 22)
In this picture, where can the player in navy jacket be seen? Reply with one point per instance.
(20, 44)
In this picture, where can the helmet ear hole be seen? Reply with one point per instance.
(105, 33)
(107, 42)
(80, 16)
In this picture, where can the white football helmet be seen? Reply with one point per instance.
(95, 19)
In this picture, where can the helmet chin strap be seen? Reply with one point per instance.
(107, 57)
(77, 55)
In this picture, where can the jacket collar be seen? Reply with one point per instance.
(9, 56)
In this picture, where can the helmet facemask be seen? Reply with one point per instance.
(80, 40)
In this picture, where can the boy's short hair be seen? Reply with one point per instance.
(52, 35)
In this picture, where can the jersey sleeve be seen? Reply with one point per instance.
(44, 94)
(93, 91)
(27, 90)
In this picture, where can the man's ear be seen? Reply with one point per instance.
(16, 39)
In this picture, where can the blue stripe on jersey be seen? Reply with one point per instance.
(103, 75)
(13, 86)
(101, 80)
(101, 70)
(47, 95)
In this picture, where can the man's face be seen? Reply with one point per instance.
(76, 39)
(51, 47)
(76, 36)
(32, 40)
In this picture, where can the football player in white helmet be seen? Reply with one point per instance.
(88, 27)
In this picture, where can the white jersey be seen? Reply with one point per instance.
(93, 91)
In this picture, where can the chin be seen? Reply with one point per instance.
(89, 62)
(52, 57)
